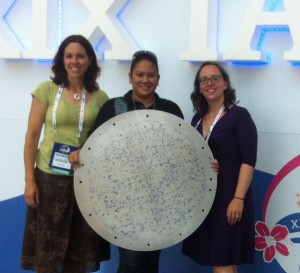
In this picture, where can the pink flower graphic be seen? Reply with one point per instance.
(270, 242)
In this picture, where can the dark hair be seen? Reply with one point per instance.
(144, 55)
(59, 71)
(199, 102)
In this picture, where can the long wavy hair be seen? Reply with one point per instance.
(199, 102)
(58, 68)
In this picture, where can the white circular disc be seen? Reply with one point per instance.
(145, 181)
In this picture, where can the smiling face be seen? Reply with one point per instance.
(144, 79)
(76, 61)
(213, 85)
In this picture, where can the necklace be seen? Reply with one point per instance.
(76, 96)
(135, 105)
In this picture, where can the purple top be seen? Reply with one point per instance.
(233, 141)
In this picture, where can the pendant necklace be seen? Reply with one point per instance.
(76, 96)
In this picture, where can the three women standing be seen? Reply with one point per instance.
(56, 237)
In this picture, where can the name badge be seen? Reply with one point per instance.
(59, 162)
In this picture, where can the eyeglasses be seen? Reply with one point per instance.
(213, 79)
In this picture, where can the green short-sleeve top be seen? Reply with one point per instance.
(67, 120)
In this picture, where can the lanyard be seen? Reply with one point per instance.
(82, 108)
(213, 124)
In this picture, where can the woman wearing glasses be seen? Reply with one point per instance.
(144, 78)
(226, 237)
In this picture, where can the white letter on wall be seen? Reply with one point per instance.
(254, 17)
(39, 48)
(5, 47)
(203, 31)
(103, 15)
(292, 19)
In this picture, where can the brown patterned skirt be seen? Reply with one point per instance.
(56, 237)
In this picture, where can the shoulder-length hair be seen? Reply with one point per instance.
(93, 72)
(199, 102)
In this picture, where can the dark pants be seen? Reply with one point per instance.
(138, 261)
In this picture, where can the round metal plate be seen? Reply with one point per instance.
(145, 181)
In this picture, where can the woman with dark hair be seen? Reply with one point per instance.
(56, 237)
(92, 72)
(226, 237)
(200, 103)
(144, 79)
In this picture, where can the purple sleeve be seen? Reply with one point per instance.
(247, 137)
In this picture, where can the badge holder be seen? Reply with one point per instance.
(59, 162)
